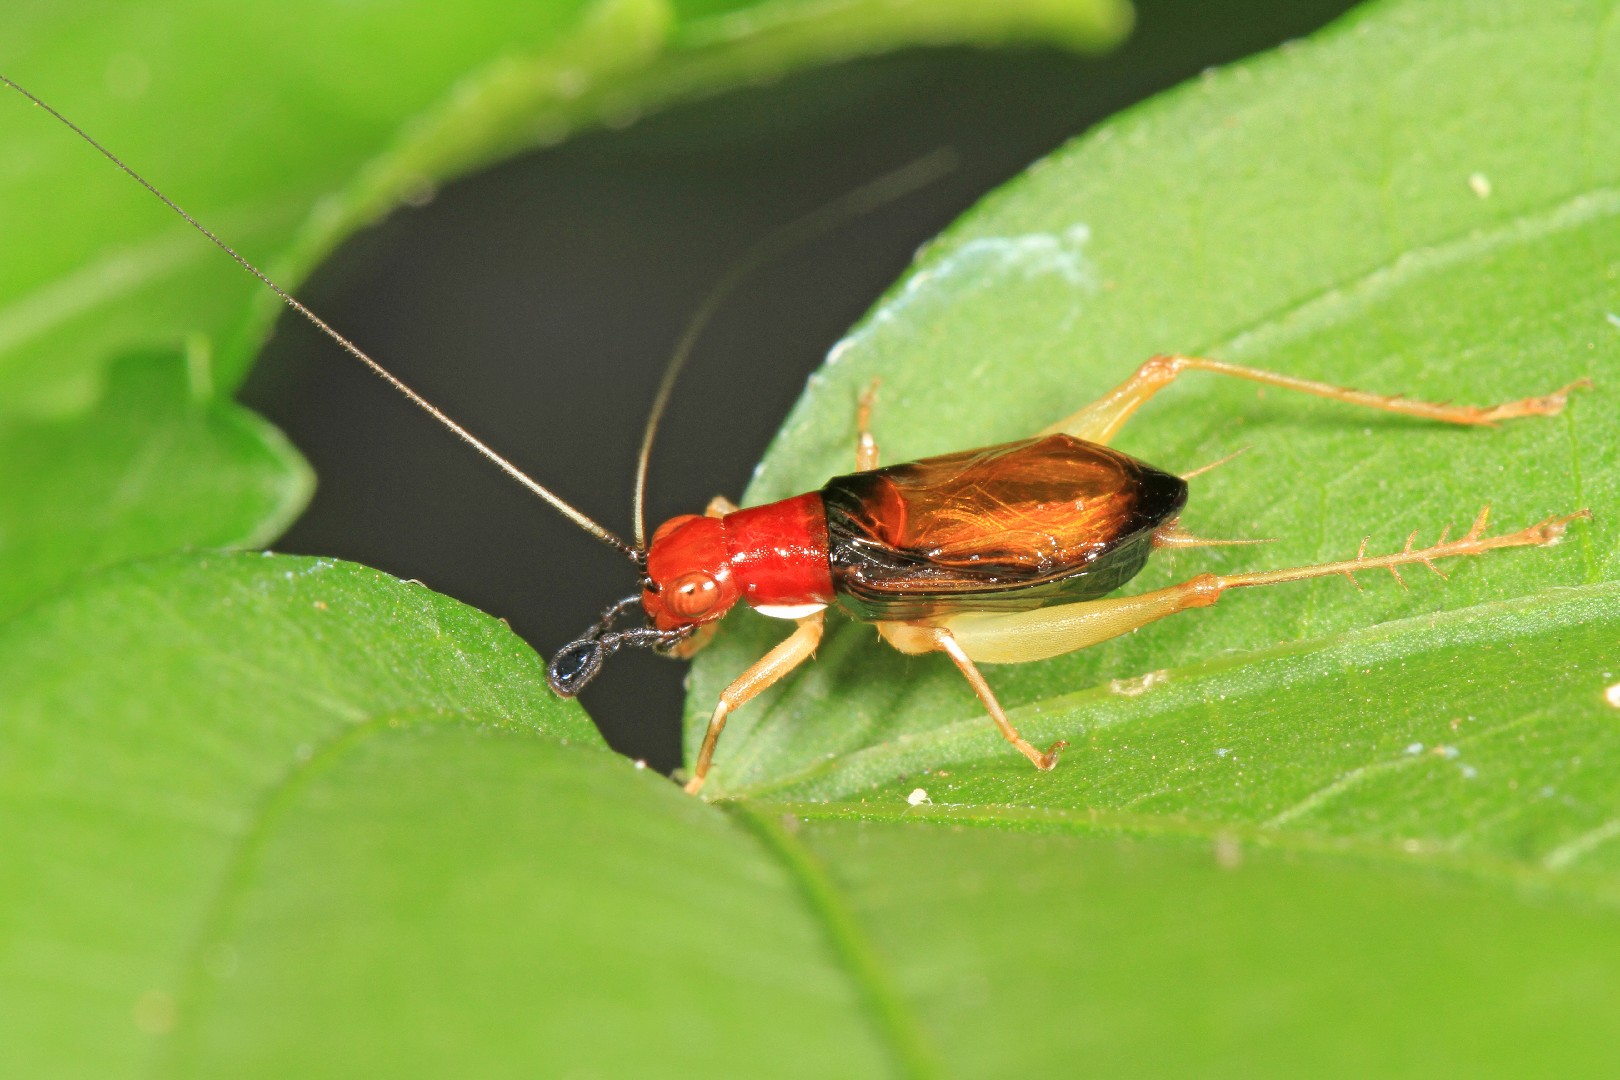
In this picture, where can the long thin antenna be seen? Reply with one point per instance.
(557, 502)
(885, 189)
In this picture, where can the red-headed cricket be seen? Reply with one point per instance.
(1000, 555)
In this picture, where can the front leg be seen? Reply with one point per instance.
(770, 668)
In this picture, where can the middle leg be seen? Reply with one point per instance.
(915, 639)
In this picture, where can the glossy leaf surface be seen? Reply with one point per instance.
(285, 130)
(260, 841)
(262, 123)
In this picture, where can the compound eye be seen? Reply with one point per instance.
(691, 596)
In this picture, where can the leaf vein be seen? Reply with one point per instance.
(1567, 853)
(221, 908)
(219, 913)
(1345, 782)
(1486, 867)
(1299, 317)
(896, 1025)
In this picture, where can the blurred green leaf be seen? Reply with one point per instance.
(1082, 954)
(159, 465)
(285, 128)
(246, 837)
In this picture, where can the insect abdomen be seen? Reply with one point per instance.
(1021, 525)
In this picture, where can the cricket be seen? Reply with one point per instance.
(1004, 554)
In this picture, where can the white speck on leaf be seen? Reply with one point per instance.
(918, 797)
(1139, 685)
(1612, 695)
(1415, 748)
(1480, 184)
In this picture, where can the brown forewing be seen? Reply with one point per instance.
(1023, 524)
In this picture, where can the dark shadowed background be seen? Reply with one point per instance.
(537, 303)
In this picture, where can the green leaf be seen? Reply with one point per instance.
(245, 836)
(1314, 830)
(1373, 734)
(158, 465)
(288, 817)
(1362, 252)
(285, 128)
(281, 143)
(1064, 955)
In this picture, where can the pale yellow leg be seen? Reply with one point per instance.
(921, 639)
(866, 449)
(1100, 421)
(1023, 636)
(789, 654)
